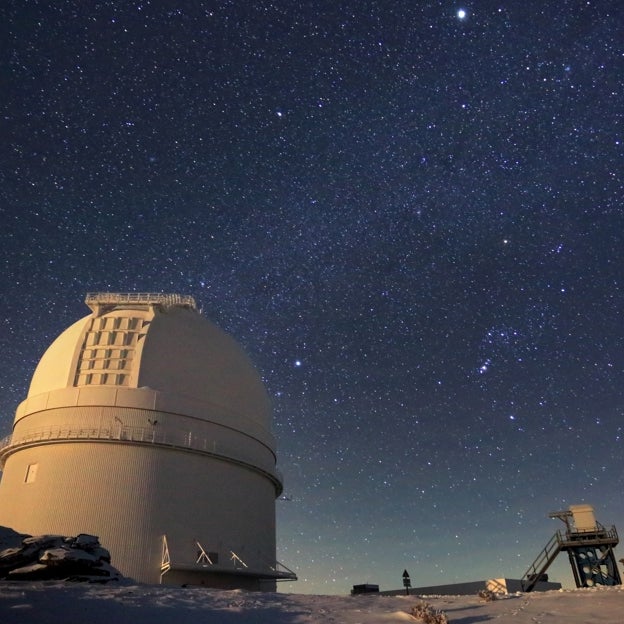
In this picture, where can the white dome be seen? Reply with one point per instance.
(161, 424)
(169, 349)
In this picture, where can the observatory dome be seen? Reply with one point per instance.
(148, 392)
(151, 344)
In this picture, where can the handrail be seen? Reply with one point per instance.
(568, 541)
(276, 571)
(541, 563)
(166, 299)
(172, 438)
(608, 536)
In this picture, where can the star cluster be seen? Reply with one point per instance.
(408, 212)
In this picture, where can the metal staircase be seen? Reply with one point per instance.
(542, 562)
(589, 546)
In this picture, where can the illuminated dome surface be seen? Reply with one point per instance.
(175, 351)
(151, 394)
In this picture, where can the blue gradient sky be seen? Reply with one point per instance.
(411, 220)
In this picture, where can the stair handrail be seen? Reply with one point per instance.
(541, 563)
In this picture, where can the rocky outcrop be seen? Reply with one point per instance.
(44, 557)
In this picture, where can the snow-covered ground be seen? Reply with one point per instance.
(56, 602)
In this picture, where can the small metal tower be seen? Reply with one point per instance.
(589, 546)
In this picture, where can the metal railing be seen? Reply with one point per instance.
(542, 562)
(165, 299)
(275, 571)
(153, 435)
(565, 541)
(599, 535)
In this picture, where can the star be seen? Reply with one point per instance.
(400, 223)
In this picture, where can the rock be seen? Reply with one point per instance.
(101, 554)
(43, 541)
(34, 572)
(10, 538)
(86, 541)
(43, 557)
(64, 556)
(13, 558)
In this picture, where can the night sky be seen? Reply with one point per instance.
(409, 213)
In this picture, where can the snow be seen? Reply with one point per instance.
(124, 602)
(56, 602)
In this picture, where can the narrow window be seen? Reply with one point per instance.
(31, 473)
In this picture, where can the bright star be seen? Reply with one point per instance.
(461, 14)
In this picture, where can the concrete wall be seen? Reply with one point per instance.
(511, 586)
(130, 496)
(501, 586)
(145, 420)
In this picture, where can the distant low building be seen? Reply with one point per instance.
(499, 586)
(365, 588)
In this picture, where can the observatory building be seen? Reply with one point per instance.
(148, 426)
